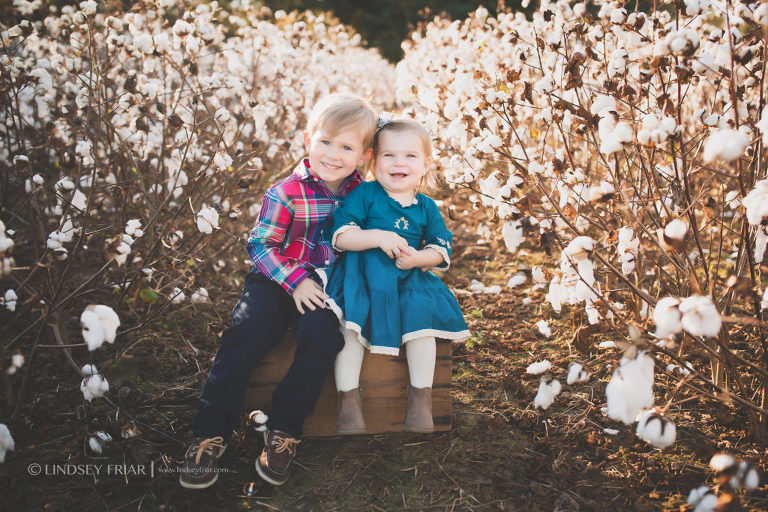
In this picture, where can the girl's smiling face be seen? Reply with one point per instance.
(400, 163)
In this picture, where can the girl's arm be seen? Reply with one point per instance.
(423, 259)
(357, 239)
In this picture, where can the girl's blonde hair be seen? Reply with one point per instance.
(401, 124)
(341, 111)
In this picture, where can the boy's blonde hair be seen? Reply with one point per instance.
(402, 124)
(341, 111)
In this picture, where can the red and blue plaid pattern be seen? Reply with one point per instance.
(291, 237)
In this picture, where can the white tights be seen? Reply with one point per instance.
(420, 353)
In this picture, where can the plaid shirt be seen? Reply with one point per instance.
(290, 238)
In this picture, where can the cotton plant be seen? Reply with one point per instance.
(576, 281)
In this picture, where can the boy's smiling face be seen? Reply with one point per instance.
(333, 157)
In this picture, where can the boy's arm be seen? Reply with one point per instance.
(266, 242)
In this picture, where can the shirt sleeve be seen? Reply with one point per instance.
(265, 243)
(351, 213)
(437, 236)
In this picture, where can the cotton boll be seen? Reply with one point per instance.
(517, 280)
(756, 203)
(548, 389)
(133, 228)
(222, 161)
(99, 324)
(200, 296)
(578, 372)
(760, 15)
(98, 441)
(512, 233)
(94, 386)
(656, 429)
(95, 445)
(630, 388)
(722, 462)
(258, 419)
(538, 367)
(89, 370)
(593, 315)
(207, 220)
(538, 275)
(667, 317)
(675, 231)
(703, 499)
(627, 248)
(745, 477)
(544, 328)
(726, 144)
(9, 300)
(177, 296)
(700, 316)
(6, 442)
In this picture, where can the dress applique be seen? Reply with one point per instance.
(401, 223)
(387, 306)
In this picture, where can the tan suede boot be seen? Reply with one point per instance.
(349, 418)
(418, 414)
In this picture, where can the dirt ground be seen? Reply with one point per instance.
(501, 454)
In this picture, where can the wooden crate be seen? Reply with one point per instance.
(384, 380)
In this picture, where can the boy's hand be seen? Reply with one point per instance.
(408, 259)
(392, 244)
(308, 294)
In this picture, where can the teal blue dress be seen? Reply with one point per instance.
(387, 306)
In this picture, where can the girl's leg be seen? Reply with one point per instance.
(421, 354)
(348, 363)
(349, 417)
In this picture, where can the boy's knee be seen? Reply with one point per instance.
(319, 332)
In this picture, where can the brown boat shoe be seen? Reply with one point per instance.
(201, 462)
(276, 459)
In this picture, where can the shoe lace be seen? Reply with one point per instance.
(285, 443)
(207, 446)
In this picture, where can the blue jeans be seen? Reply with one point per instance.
(259, 321)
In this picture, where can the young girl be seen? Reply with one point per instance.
(380, 289)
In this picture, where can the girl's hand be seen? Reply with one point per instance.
(392, 244)
(408, 259)
(308, 294)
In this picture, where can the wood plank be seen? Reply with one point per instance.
(384, 380)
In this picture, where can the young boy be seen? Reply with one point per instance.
(288, 242)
